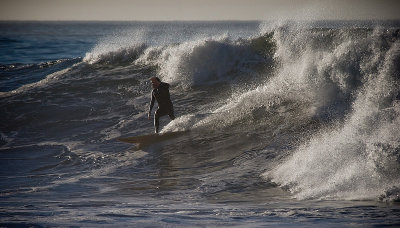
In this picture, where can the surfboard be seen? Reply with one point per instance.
(152, 138)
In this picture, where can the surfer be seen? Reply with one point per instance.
(160, 94)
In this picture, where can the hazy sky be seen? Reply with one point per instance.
(197, 9)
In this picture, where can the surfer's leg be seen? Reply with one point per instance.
(171, 114)
(156, 121)
(159, 113)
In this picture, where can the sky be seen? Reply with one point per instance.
(159, 10)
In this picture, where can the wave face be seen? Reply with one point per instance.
(273, 111)
(15, 76)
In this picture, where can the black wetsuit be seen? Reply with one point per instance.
(161, 95)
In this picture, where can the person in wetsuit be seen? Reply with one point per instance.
(160, 94)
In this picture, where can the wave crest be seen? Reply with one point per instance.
(121, 56)
(206, 61)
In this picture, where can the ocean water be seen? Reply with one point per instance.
(290, 124)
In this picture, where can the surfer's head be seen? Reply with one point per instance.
(155, 82)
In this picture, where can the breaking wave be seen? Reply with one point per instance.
(191, 63)
(346, 81)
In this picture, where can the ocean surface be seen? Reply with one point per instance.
(289, 124)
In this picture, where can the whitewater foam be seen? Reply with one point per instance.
(359, 159)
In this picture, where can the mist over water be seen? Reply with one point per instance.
(288, 123)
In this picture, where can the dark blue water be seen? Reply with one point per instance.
(288, 124)
(32, 50)
(36, 42)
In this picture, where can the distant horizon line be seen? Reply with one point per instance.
(203, 20)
